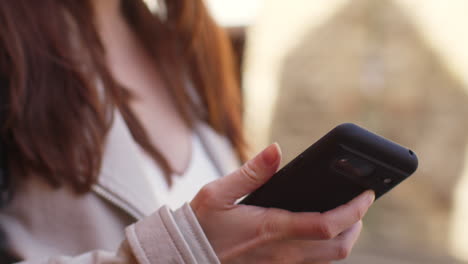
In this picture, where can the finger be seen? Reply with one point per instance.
(344, 216)
(335, 249)
(320, 251)
(351, 235)
(253, 174)
(328, 225)
(313, 251)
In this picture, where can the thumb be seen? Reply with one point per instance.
(253, 174)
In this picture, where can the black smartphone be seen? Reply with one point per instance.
(341, 165)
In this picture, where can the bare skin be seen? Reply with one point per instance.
(250, 234)
(131, 65)
(238, 233)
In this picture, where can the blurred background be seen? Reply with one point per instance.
(396, 67)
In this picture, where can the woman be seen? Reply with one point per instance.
(110, 111)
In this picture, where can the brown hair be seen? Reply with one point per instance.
(57, 118)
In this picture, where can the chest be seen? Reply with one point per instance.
(200, 171)
(152, 102)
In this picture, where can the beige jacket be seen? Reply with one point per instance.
(45, 225)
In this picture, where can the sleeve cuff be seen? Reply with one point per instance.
(194, 235)
(170, 237)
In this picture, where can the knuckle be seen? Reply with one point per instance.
(325, 230)
(286, 254)
(206, 194)
(342, 251)
(250, 172)
(295, 255)
(290, 258)
(268, 231)
(359, 213)
(356, 212)
(271, 228)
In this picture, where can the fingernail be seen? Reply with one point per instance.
(370, 196)
(271, 154)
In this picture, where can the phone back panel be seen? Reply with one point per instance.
(341, 165)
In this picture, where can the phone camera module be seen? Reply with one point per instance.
(354, 167)
(387, 180)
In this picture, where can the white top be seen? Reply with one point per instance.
(199, 172)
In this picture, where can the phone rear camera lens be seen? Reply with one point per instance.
(343, 161)
(354, 167)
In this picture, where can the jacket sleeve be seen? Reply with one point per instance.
(163, 237)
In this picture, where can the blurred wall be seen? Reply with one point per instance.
(277, 28)
(392, 66)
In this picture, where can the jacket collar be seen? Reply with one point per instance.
(122, 180)
(124, 183)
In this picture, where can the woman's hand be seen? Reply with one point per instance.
(250, 234)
